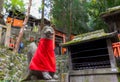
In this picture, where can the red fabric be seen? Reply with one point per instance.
(44, 57)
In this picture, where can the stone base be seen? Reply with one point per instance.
(94, 78)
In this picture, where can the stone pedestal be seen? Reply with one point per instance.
(95, 78)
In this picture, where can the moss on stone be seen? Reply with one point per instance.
(86, 37)
(111, 10)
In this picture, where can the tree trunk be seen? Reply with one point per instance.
(51, 10)
(70, 20)
(1, 5)
(22, 29)
(1, 10)
(42, 16)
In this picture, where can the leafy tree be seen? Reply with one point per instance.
(79, 17)
(85, 14)
(60, 13)
(70, 16)
(14, 6)
(22, 29)
(94, 8)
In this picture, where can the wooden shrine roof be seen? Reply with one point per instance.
(90, 36)
(111, 12)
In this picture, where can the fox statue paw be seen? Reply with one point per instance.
(55, 77)
(46, 76)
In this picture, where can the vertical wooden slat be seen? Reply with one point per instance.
(7, 37)
(54, 40)
(111, 55)
(69, 59)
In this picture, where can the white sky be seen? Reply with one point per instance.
(34, 9)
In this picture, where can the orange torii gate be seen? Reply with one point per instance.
(116, 49)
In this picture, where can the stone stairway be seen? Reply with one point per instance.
(11, 65)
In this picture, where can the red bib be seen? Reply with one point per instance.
(44, 57)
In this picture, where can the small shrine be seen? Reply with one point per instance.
(91, 58)
(112, 19)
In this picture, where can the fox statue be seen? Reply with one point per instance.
(42, 61)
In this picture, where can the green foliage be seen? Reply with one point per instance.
(68, 14)
(13, 5)
(62, 64)
(79, 17)
(60, 12)
(85, 14)
(12, 65)
(95, 8)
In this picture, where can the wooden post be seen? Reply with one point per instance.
(7, 37)
(54, 40)
(111, 55)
